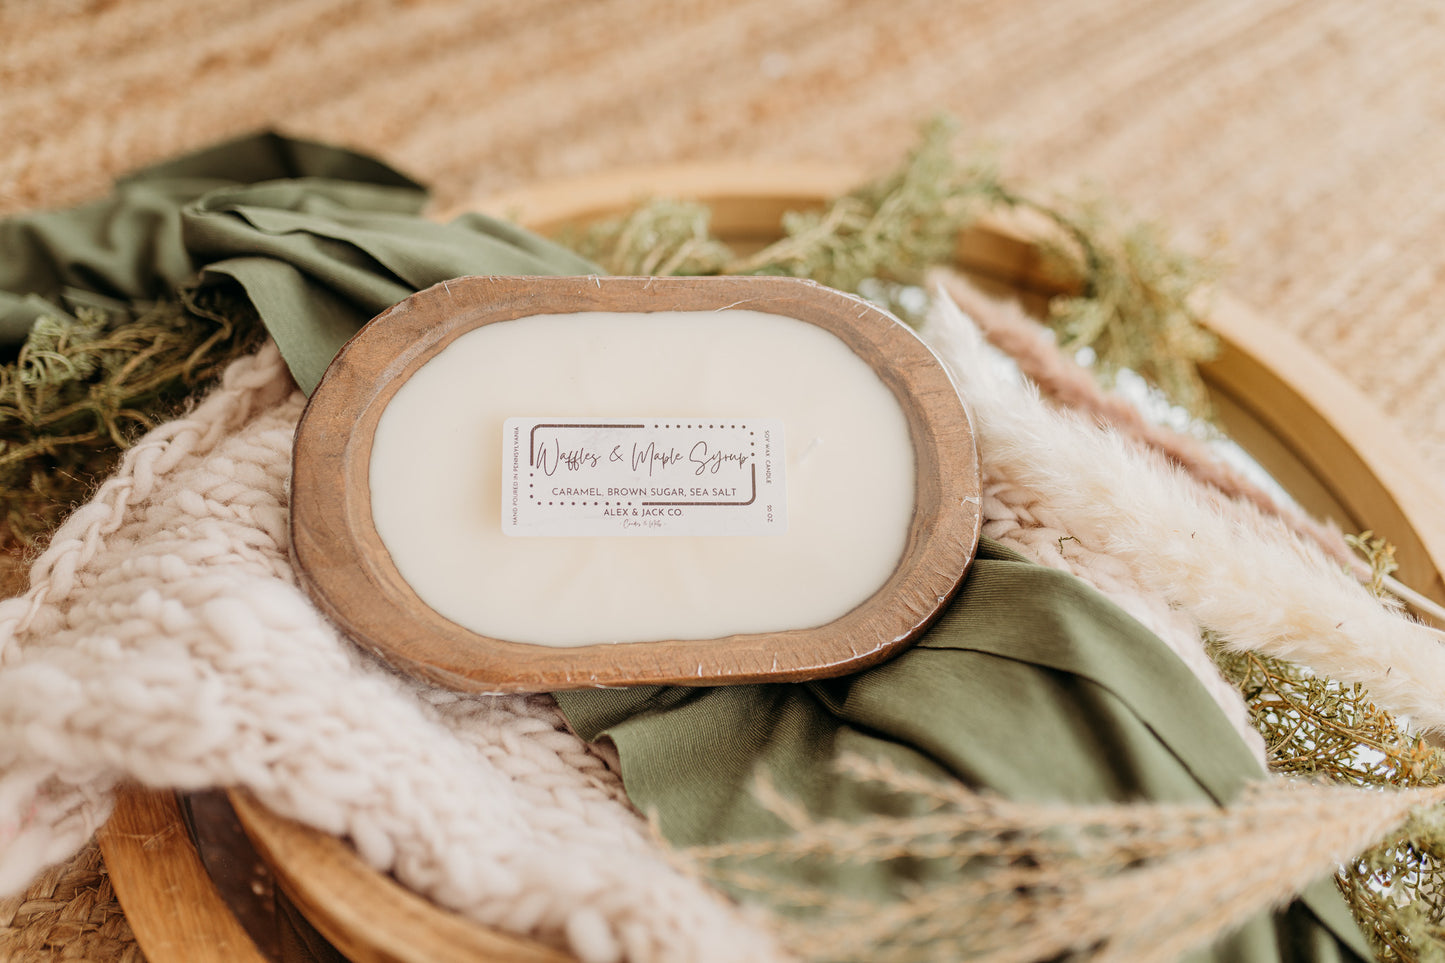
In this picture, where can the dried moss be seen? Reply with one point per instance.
(82, 388)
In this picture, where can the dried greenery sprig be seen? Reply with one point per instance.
(664, 237)
(890, 229)
(1137, 308)
(1042, 881)
(1133, 301)
(1379, 555)
(1321, 728)
(1315, 726)
(1318, 727)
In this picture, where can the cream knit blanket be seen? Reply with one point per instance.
(164, 640)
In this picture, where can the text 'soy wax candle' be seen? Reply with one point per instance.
(601, 477)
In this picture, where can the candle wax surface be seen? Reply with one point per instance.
(437, 469)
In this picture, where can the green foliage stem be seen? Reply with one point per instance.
(1132, 299)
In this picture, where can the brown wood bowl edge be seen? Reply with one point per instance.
(348, 572)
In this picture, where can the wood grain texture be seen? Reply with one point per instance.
(346, 568)
(367, 915)
(1335, 435)
(172, 905)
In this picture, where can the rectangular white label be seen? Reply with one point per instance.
(643, 476)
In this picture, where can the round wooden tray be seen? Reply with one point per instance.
(347, 570)
(1311, 429)
(1317, 434)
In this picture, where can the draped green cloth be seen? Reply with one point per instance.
(319, 239)
(1031, 684)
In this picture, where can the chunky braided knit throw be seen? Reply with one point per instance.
(164, 640)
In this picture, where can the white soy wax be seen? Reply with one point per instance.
(438, 465)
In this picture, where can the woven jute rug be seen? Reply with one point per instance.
(1302, 139)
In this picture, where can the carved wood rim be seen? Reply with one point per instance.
(344, 899)
(348, 572)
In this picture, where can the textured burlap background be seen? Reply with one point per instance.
(1305, 137)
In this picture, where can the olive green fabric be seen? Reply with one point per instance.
(1031, 685)
(320, 239)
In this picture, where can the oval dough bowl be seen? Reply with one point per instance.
(348, 570)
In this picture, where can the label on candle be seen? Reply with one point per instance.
(643, 476)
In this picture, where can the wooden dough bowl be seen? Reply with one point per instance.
(345, 567)
(1319, 436)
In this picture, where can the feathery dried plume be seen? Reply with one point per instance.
(1009, 329)
(1239, 572)
(1043, 880)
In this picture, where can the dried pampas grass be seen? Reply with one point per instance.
(1242, 573)
(1007, 327)
(1043, 881)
